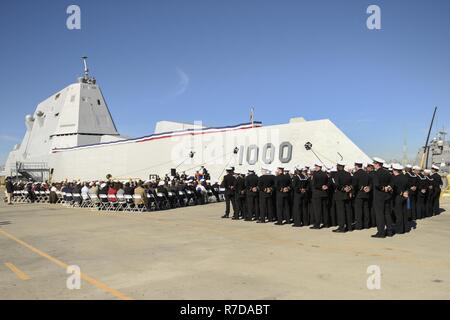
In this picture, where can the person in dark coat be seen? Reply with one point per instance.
(319, 185)
(437, 186)
(251, 185)
(400, 194)
(266, 186)
(300, 186)
(343, 195)
(382, 200)
(283, 189)
(228, 183)
(240, 197)
(361, 188)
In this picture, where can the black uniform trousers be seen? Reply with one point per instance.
(421, 205)
(383, 211)
(265, 206)
(362, 213)
(300, 210)
(241, 206)
(283, 207)
(436, 204)
(320, 208)
(252, 205)
(400, 214)
(344, 213)
(229, 198)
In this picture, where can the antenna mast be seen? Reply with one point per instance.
(86, 70)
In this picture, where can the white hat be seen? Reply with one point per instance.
(360, 162)
(318, 165)
(161, 183)
(435, 167)
(378, 160)
(341, 163)
(397, 167)
(229, 169)
(387, 165)
(427, 171)
(333, 169)
(417, 168)
(408, 166)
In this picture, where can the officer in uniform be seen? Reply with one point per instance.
(361, 188)
(266, 185)
(437, 186)
(410, 173)
(228, 183)
(319, 186)
(240, 197)
(430, 196)
(382, 199)
(422, 194)
(343, 194)
(370, 169)
(283, 188)
(400, 193)
(331, 197)
(300, 186)
(251, 185)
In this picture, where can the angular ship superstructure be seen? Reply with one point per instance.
(71, 135)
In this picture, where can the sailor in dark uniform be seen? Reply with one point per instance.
(430, 196)
(422, 195)
(300, 186)
(331, 197)
(319, 186)
(400, 194)
(361, 188)
(240, 197)
(283, 189)
(343, 194)
(251, 185)
(438, 184)
(370, 169)
(266, 186)
(228, 183)
(382, 200)
(410, 173)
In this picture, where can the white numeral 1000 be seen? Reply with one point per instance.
(252, 153)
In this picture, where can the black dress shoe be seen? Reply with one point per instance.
(247, 219)
(225, 216)
(278, 223)
(390, 234)
(315, 227)
(296, 225)
(339, 230)
(234, 218)
(378, 235)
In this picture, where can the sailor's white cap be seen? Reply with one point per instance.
(397, 167)
(417, 168)
(251, 171)
(427, 171)
(435, 167)
(341, 163)
(408, 166)
(333, 169)
(387, 165)
(229, 169)
(359, 162)
(378, 160)
(318, 165)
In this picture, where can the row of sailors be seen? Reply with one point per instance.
(389, 198)
(174, 193)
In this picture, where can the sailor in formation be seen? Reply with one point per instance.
(350, 197)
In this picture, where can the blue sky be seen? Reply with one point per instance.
(212, 60)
